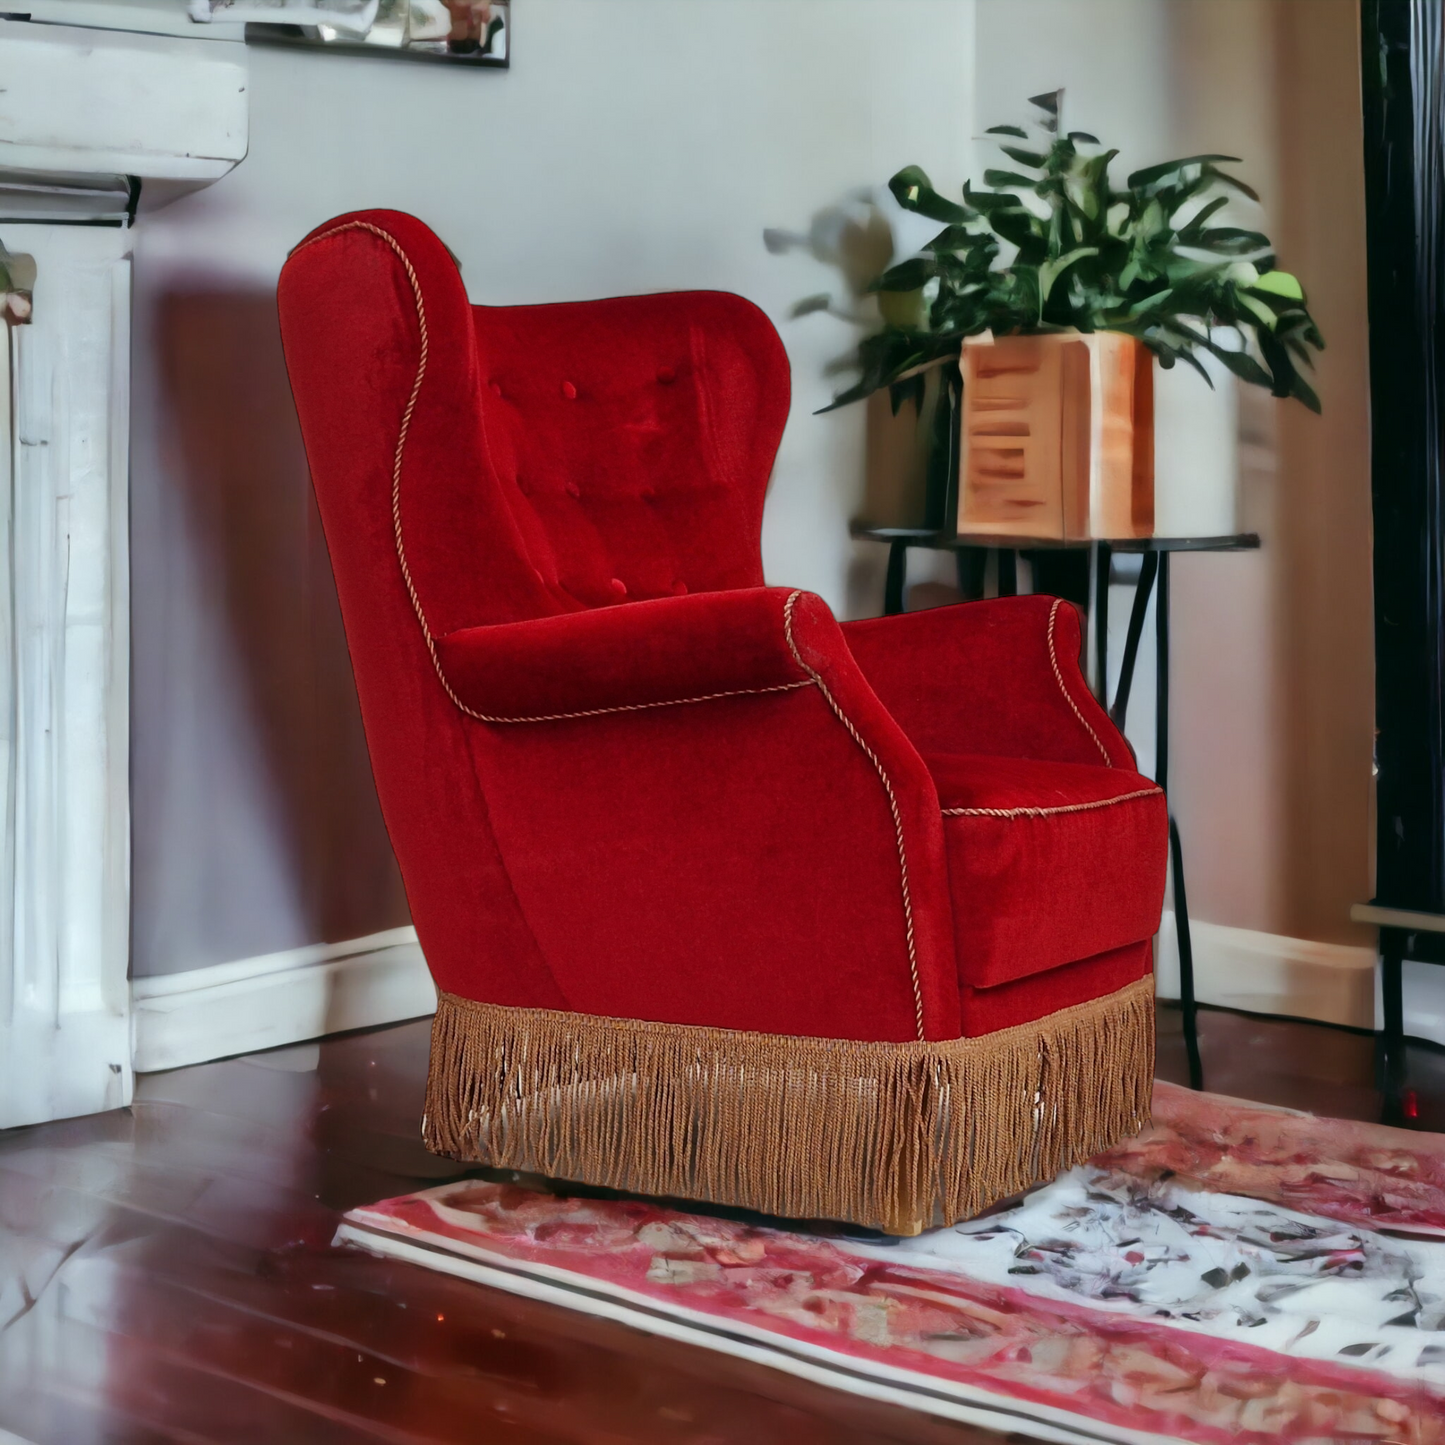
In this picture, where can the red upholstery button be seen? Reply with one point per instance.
(619, 586)
(573, 490)
(524, 487)
(679, 589)
(569, 391)
(647, 493)
(666, 375)
(496, 388)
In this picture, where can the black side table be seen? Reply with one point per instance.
(972, 551)
(1420, 938)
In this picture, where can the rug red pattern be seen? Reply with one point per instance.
(1077, 1344)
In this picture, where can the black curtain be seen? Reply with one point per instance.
(1404, 129)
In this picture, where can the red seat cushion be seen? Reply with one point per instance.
(1049, 863)
(986, 1010)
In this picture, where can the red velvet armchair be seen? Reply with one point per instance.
(723, 899)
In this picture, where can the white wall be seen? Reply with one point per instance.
(635, 145)
(643, 145)
(1272, 671)
(1118, 64)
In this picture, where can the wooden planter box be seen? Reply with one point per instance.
(1057, 436)
(910, 456)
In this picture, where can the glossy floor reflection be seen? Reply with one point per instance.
(166, 1274)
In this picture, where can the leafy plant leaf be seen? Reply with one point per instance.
(1081, 255)
(1005, 178)
(1224, 178)
(914, 192)
(1025, 158)
(1231, 241)
(1259, 309)
(1280, 283)
(1050, 271)
(1150, 174)
(1169, 354)
(1196, 225)
(987, 203)
(908, 275)
(1241, 363)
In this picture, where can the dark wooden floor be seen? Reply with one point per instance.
(166, 1273)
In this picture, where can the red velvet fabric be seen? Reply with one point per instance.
(655, 651)
(727, 817)
(1000, 678)
(1087, 839)
(1026, 999)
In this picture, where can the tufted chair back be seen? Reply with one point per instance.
(553, 458)
(632, 439)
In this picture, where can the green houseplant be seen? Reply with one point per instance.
(1052, 245)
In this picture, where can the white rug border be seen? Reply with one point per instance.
(871, 1379)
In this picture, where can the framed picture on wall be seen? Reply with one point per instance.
(472, 32)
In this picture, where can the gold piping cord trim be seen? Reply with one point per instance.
(1052, 812)
(1068, 696)
(892, 806)
(644, 706)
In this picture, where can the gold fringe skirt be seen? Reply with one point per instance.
(895, 1136)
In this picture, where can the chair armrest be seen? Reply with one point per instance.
(1000, 677)
(808, 803)
(636, 655)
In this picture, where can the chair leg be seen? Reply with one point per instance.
(1392, 1036)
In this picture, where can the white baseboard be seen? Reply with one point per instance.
(1267, 973)
(305, 993)
(279, 998)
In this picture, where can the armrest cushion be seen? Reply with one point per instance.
(783, 820)
(637, 654)
(1000, 677)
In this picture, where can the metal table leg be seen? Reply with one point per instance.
(1008, 572)
(1103, 564)
(1188, 1007)
(1392, 1037)
(1187, 1001)
(972, 563)
(897, 571)
(1148, 569)
(1154, 571)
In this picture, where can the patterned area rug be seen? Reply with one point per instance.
(1236, 1274)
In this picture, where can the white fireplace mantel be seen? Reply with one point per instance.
(84, 116)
